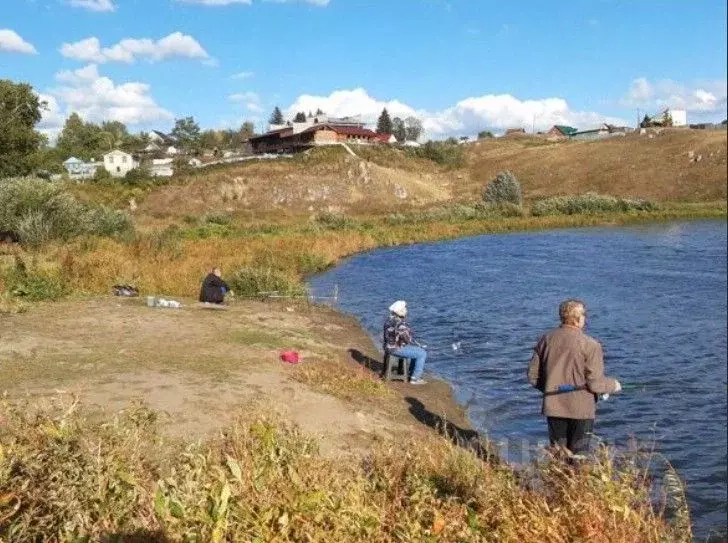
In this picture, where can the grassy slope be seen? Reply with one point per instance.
(656, 168)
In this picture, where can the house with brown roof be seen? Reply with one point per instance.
(288, 140)
(561, 131)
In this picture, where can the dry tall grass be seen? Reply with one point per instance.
(64, 478)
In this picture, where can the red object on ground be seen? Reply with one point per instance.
(290, 357)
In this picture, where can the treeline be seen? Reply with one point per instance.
(24, 150)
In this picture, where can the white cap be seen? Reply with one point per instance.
(399, 308)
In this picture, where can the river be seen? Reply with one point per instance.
(656, 299)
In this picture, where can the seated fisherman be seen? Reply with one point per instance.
(399, 341)
(214, 288)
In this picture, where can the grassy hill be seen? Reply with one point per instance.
(674, 165)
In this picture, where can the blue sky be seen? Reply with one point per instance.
(459, 65)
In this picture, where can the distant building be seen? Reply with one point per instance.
(171, 151)
(561, 131)
(151, 147)
(195, 162)
(118, 163)
(288, 139)
(515, 131)
(386, 138)
(161, 167)
(160, 138)
(78, 169)
(602, 131)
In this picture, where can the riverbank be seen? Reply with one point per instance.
(229, 443)
(271, 257)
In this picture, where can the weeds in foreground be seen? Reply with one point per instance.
(588, 204)
(64, 478)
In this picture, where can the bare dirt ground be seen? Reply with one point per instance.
(199, 368)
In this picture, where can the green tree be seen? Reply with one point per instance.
(209, 139)
(413, 128)
(300, 117)
(384, 123)
(319, 111)
(187, 132)
(277, 117)
(20, 111)
(399, 130)
(485, 134)
(83, 140)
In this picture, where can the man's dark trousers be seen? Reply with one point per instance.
(574, 434)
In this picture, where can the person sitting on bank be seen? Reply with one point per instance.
(399, 341)
(214, 288)
(567, 356)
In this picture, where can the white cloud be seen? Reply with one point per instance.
(250, 100)
(468, 116)
(93, 5)
(243, 75)
(703, 99)
(97, 98)
(11, 42)
(129, 50)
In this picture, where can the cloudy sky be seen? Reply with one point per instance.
(460, 65)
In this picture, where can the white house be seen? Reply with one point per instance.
(151, 148)
(118, 163)
(78, 169)
(679, 116)
(171, 150)
(161, 167)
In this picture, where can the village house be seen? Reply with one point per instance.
(78, 169)
(602, 131)
(161, 167)
(118, 163)
(515, 131)
(561, 131)
(293, 137)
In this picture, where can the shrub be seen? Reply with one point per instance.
(167, 243)
(333, 221)
(445, 153)
(40, 212)
(588, 204)
(255, 280)
(223, 219)
(102, 175)
(33, 283)
(504, 189)
(137, 176)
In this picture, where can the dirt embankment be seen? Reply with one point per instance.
(672, 165)
(199, 367)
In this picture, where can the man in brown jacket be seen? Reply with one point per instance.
(566, 358)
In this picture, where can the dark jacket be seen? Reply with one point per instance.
(397, 333)
(567, 356)
(212, 289)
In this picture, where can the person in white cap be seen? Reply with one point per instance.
(399, 340)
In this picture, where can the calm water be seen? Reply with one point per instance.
(656, 297)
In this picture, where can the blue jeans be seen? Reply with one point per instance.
(412, 352)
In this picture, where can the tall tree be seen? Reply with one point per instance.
(413, 128)
(319, 111)
(247, 130)
(187, 132)
(209, 139)
(20, 111)
(83, 140)
(399, 130)
(300, 117)
(277, 117)
(384, 123)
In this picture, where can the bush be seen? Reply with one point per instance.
(41, 212)
(504, 189)
(333, 221)
(254, 281)
(222, 219)
(588, 204)
(34, 284)
(102, 175)
(137, 176)
(445, 153)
